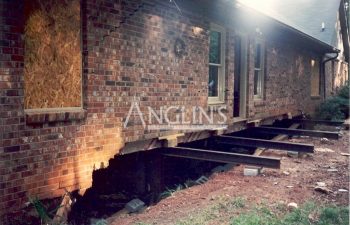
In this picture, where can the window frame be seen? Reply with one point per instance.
(221, 67)
(261, 76)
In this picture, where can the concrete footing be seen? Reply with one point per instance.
(293, 154)
(252, 171)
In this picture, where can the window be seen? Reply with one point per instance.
(259, 62)
(315, 78)
(216, 82)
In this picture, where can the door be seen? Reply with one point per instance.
(240, 77)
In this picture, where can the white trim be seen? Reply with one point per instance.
(221, 73)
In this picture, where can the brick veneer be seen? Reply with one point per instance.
(43, 153)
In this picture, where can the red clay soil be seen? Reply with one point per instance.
(294, 182)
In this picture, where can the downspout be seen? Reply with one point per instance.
(324, 71)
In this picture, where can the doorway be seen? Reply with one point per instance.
(240, 77)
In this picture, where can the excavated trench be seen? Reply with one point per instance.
(149, 176)
(146, 175)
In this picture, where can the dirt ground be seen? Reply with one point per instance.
(294, 182)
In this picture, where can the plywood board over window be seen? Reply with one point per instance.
(52, 61)
(315, 78)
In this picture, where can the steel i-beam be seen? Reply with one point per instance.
(288, 131)
(251, 142)
(223, 157)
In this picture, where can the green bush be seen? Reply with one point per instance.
(336, 107)
(344, 92)
(332, 109)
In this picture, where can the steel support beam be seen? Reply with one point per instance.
(222, 157)
(250, 142)
(288, 131)
(324, 122)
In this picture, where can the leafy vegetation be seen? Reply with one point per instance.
(46, 210)
(336, 107)
(43, 214)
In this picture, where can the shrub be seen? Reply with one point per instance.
(344, 92)
(336, 107)
(331, 109)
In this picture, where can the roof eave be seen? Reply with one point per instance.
(323, 46)
(326, 47)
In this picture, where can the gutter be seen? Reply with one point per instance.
(324, 70)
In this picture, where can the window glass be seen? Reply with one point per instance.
(257, 56)
(213, 83)
(215, 47)
(216, 76)
(258, 70)
(256, 81)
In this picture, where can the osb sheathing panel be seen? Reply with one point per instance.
(52, 62)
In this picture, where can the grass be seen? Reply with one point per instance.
(228, 205)
(238, 212)
(238, 202)
(308, 214)
(224, 205)
(169, 192)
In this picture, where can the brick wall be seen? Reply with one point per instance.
(329, 71)
(287, 82)
(337, 74)
(340, 74)
(43, 153)
(11, 106)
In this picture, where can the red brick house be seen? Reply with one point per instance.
(56, 129)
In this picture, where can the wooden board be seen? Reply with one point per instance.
(52, 59)
(280, 137)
